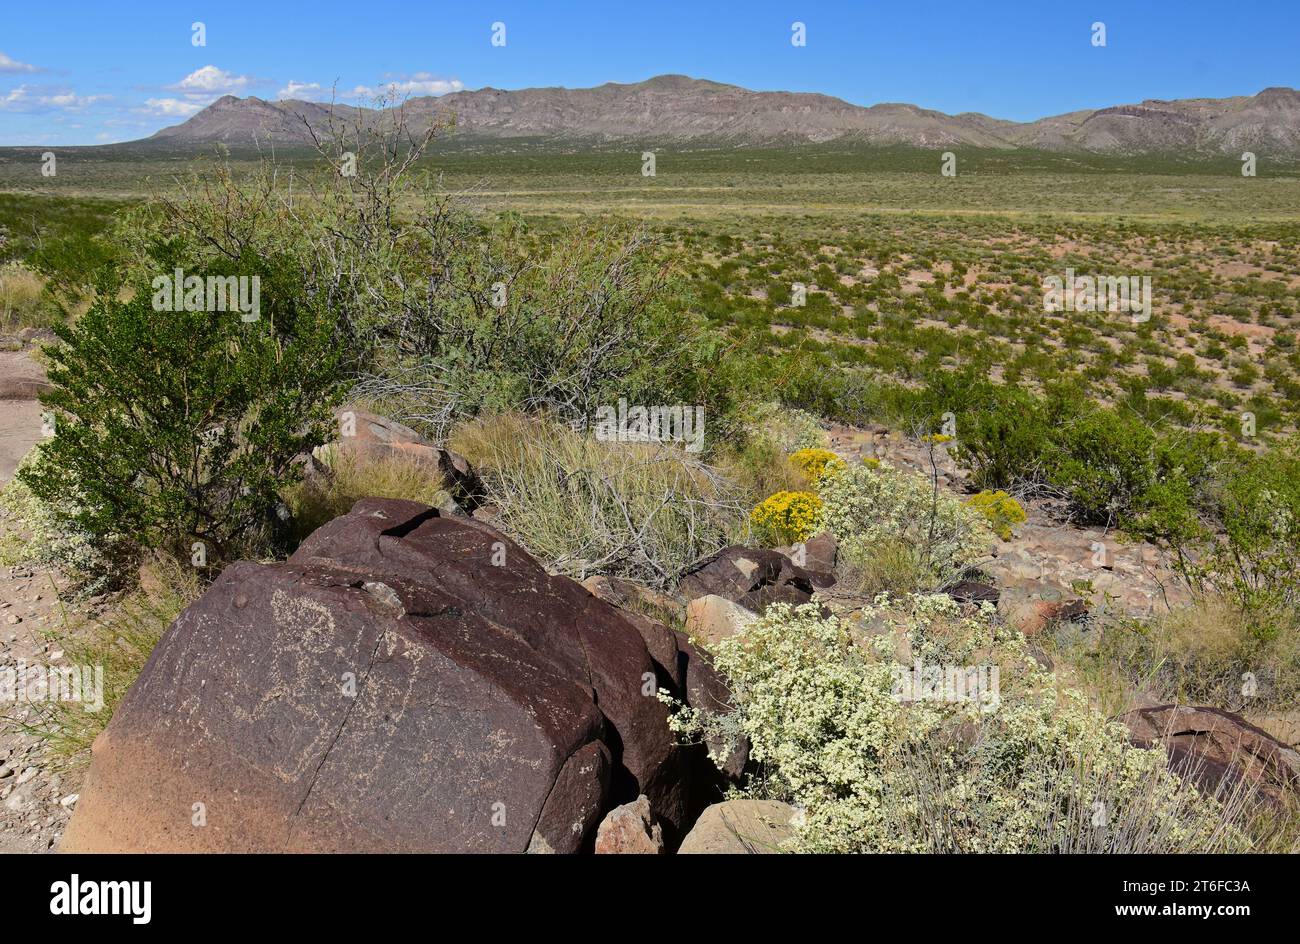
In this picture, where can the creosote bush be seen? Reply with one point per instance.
(177, 428)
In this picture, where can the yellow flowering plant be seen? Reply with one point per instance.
(786, 517)
(1000, 510)
(816, 463)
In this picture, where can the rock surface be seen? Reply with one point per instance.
(1214, 747)
(741, 827)
(712, 618)
(752, 577)
(389, 689)
(630, 829)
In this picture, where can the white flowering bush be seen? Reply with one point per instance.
(1027, 767)
(42, 534)
(788, 428)
(869, 508)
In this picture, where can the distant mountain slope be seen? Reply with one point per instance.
(674, 110)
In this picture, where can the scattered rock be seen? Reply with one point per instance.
(627, 595)
(752, 577)
(379, 436)
(819, 553)
(630, 829)
(973, 591)
(1032, 616)
(1214, 748)
(741, 827)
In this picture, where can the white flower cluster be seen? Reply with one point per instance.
(876, 774)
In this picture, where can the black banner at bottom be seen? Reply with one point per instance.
(338, 893)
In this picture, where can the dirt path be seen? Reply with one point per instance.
(36, 800)
(20, 419)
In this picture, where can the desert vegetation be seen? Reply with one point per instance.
(182, 441)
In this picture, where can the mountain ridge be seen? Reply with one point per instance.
(674, 110)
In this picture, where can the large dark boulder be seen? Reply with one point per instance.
(752, 577)
(407, 681)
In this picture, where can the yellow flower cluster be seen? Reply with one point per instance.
(1000, 510)
(786, 517)
(817, 462)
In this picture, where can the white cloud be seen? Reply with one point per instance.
(27, 98)
(211, 81)
(303, 91)
(13, 65)
(174, 107)
(422, 83)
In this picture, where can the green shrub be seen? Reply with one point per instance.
(1230, 519)
(50, 535)
(176, 428)
(1103, 461)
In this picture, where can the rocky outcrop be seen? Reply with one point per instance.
(819, 553)
(741, 827)
(406, 681)
(754, 578)
(1218, 749)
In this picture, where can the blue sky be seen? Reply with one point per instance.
(97, 72)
